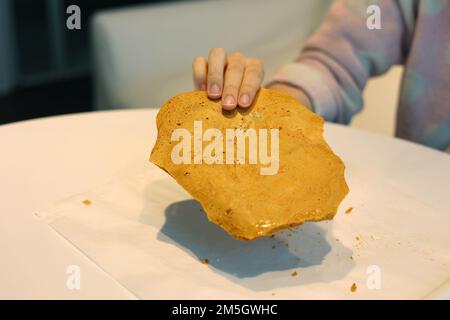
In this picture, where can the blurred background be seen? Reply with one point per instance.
(138, 53)
(45, 68)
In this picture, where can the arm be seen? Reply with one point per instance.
(338, 59)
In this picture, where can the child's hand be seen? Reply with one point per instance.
(234, 78)
(294, 92)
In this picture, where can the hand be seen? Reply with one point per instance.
(234, 78)
(294, 92)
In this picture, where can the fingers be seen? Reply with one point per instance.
(216, 65)
(199, 69)
(236, 79)
(251, 82)
(233, 79)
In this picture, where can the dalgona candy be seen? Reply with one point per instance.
(255, 171)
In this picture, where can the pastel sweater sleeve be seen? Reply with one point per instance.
(338, 59)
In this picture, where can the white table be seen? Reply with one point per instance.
(45, 160)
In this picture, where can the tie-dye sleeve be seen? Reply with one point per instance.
(343, 53)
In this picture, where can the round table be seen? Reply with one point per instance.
(48, 159)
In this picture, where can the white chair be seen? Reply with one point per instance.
(143, 54)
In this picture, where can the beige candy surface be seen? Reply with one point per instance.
(308, 185)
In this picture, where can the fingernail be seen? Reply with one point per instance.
(229, 101)
(202, 87)
(244, 100)
(214, 89)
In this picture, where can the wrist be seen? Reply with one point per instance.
(294, 92)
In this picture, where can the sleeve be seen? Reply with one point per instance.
(338, 59)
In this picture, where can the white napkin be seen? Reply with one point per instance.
(146, 232)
